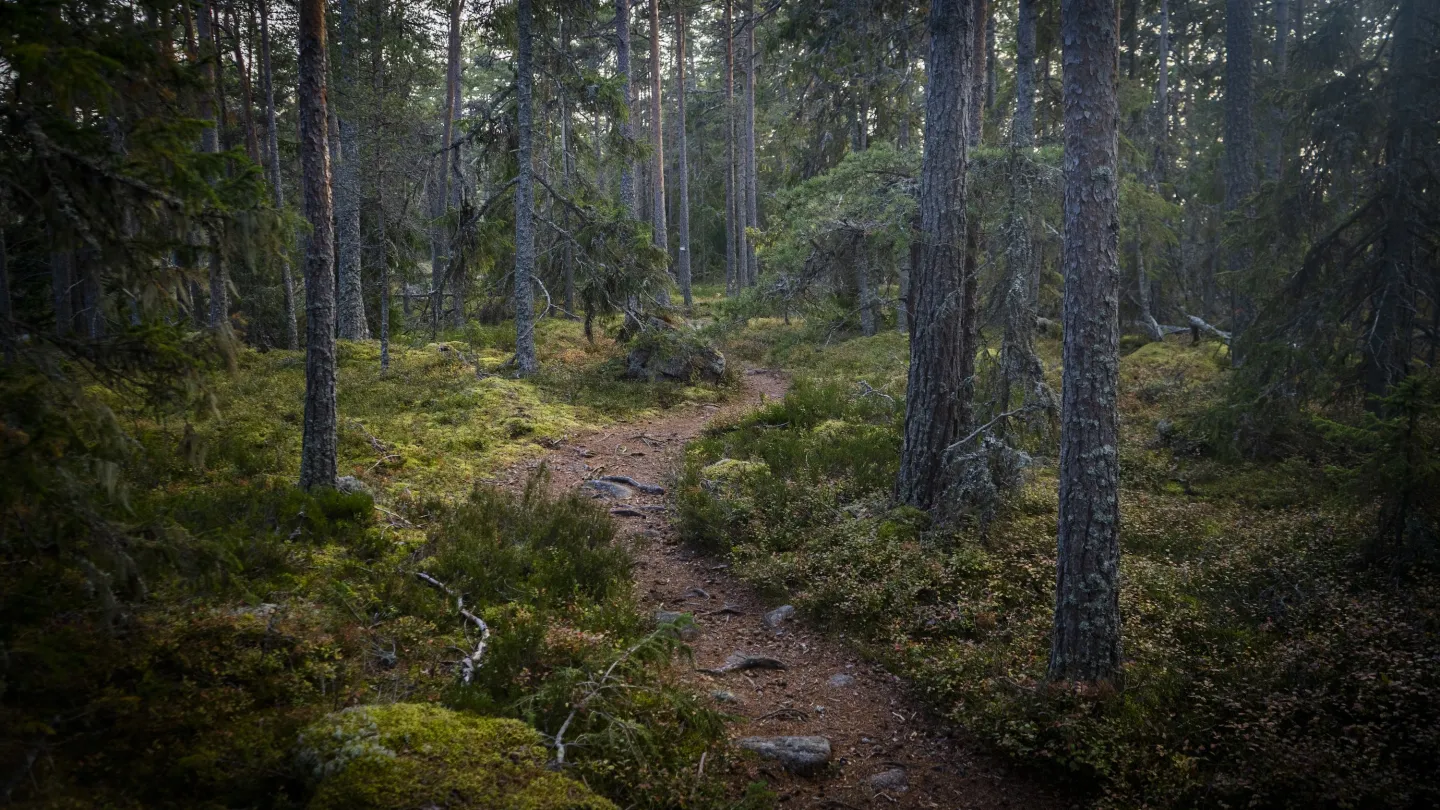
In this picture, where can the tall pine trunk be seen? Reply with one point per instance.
(682, 168)
(1085, 646)
(277, 190)
(210, 142)
(1020, 368)
(629, 194)
(733, 238)
(351, 323)
(938, 402)
(974, 128)
(657, 136)
(1239, 159)
(525, 359)
(440, 192)
(318, 442)
(751, 217)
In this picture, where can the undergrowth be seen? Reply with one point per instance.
(174, 612)
(1267, 662)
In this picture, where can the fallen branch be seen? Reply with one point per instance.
(585, 701)
(867, 391)
(1200, 325)
(1006, 415)
(472, 661)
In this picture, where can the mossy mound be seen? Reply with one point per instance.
(408, 755)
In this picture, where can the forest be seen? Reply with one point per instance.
(719, 404)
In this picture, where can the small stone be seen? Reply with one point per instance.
(799, 755)
(685, 624)
(350, 485)
(779, 616)
(891, 781)
(607, 489)
(738, 661)
(724, 696)
(840, 680)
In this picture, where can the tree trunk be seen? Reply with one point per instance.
(377, 70)
(440, 198)
(1274, 160)
(567, 166)
(318, 444)
(657, 136)
(752, 180)
(1086, 642)
(1239, 167)
(990, 63)
(733, 238)
(629, 194)
(272, 148)
(1387, 351)
(682, 169)
(7, 313)
(210, 142)
(902, 139)
(1024, 126)
(937, 403)
(351, 323)
(976, 124)
(525, 359)
(247, 101)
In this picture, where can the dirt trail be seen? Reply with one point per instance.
(872, 725)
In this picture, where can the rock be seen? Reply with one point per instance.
(775, 618)
(407, 755)
(738, 661)
(665, 352)
(625, 511)
(799, 755)
(684, 623)
(841, 681)
(350, 485)
(648, 489)
(724, 696)
(891, 781)
(600, 488)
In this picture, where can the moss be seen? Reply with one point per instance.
(407, 755)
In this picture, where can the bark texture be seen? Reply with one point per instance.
(1023, 129)
(440, 192)
(629, 194)
(1388, 341)
(351, 323)
(657, 136)
(938, 394)
(1239, 129)
(682, 168)
(318, 441)
(752, 173)
(1086, 641)
(277, 188)
(525, 360)
(976, 114)
(734, 231)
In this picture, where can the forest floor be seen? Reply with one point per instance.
(874, 726)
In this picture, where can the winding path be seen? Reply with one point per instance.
(873, 726)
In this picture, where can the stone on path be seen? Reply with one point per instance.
(775, 618)
(738, 661)
(625, 480)
(600, 488)
(891, 781)
(840, 680)
(724, 696)
(799, 755)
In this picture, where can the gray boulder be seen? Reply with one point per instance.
(799, 755)
(777, 617)
(841, 681)
(608, 490)
(891, 781)
(665, 352)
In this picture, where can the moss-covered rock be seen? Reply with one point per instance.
(406, 755)
(727, 476)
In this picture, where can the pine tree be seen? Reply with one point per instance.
(318, 444)
(1086, 641)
